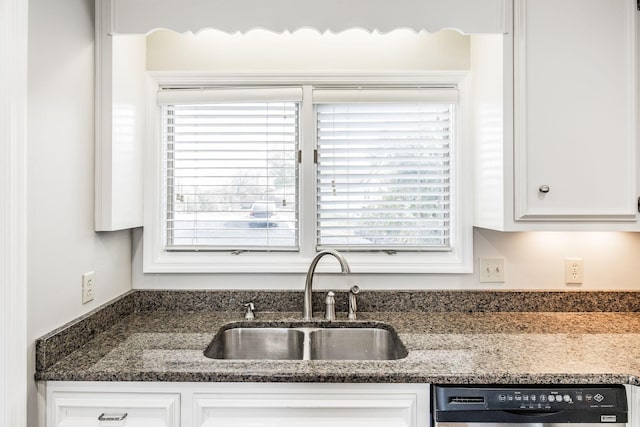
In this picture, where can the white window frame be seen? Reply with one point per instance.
(459, 260)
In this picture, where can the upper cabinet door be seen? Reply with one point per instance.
(575, 116)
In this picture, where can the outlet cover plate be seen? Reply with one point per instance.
(87, 287)
(574, 271)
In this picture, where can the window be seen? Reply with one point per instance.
(262, 177)
(230, 169)
(231, 175)
(383, 170)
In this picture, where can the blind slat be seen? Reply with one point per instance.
(362, 197)
(397, 176)
(372, 185)
(388, 142)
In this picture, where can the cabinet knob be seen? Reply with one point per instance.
(544, 189)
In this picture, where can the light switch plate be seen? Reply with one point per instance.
(492, 270)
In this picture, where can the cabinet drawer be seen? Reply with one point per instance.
(105, 409)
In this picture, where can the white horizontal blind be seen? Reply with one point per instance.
(384, 175)
(231, 175)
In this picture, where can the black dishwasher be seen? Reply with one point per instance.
(528, 406)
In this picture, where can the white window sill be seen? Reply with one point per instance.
(246, 262)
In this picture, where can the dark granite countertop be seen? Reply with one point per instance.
(166, 342)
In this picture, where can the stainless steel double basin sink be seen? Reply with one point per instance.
(255, 341)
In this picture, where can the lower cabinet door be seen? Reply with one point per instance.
(104, 409)
(310, 409)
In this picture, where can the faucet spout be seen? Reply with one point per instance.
(307, 311)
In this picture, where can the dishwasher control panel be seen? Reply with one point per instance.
(570, 398)
(534, 404)
(534, 398)
(531, 404)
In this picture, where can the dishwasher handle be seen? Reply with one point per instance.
(532, 414)
(528, 416)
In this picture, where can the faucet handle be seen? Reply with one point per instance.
(330, 307)
(249, 314)
(353, 303)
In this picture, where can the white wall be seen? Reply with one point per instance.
(307, 51)
(60, 191)
(533, 261)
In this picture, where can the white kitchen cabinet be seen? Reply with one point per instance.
(313, 405)
(566, 157)
(102, 407)
(119, 126)
(152, 404)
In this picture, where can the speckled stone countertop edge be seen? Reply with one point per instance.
(453, 379)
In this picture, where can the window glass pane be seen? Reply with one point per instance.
(231, 176)
(383, 176)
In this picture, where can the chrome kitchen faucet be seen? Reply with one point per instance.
(307, 311)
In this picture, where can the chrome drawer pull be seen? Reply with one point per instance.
(104, 417)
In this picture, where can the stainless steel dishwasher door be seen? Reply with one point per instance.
(530, 406)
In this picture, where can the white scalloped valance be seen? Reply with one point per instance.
(466, 16)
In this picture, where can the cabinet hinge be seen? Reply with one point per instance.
(638, 204)
(315, 155)
(300, 151)
(638, 4)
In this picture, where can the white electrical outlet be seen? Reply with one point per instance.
(573, 271)
(492, 270)
(87, 287)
